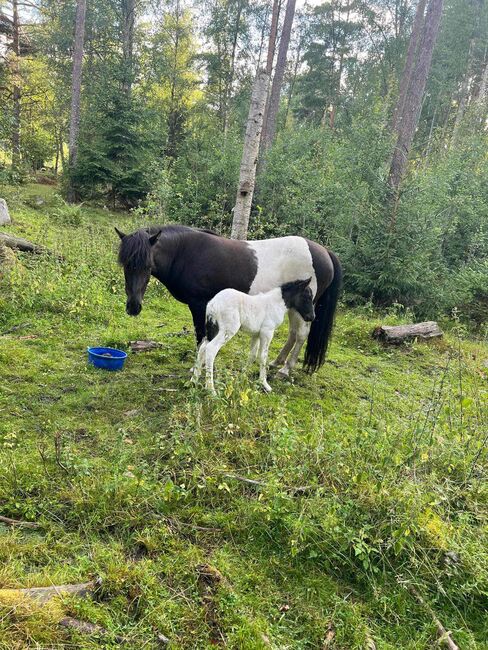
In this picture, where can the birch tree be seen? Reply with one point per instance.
(247, 174)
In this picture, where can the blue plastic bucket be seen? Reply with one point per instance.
(107, 358)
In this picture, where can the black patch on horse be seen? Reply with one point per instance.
(211, 328)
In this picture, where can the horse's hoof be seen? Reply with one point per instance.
(267, 388)
(283, 374)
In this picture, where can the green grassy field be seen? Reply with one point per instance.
(132, 475)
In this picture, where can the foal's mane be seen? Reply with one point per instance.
(135, 249)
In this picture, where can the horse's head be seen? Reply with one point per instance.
(297, 295)
(135, 255)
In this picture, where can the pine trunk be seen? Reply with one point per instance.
(16, 88)
(408, 119)
(274, 99)
(413, 45)
(76, 89)
(247, 175)
(128, 44)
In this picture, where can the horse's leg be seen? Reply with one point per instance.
(264, 340)
(302, 331)
(198, 310)
(290, 342)
(253, 353)
(197, 369)
(211, 350)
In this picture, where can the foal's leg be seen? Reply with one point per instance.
(302, 330)
(285, 351)
(264, 340)
(211, 350)
(197, 368)
(254, 349)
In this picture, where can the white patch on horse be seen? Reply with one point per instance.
(281, 260)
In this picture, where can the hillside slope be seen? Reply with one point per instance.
(371, 473)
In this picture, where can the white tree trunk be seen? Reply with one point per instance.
(247, 175)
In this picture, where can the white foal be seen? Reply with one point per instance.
(260, 315)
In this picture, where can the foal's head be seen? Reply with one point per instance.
(135, 255)
(297, 295)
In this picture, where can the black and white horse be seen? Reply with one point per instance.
(196, 264)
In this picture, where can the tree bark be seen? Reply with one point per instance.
(128, 44)
(409, 63)
(230, 81)
(272, 36)
(16, 88)
(247, 175)
(274, 99)
(409, 117)
(74, 127)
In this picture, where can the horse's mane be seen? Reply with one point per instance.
(135, 249)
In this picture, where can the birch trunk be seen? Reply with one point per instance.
(274, 99)
(413, 45)
(408, 120)
(74, 126)
(247, 175)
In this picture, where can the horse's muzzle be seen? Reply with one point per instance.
(133, 308)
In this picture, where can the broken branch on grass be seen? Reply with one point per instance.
(84, 627)
(443, 634)
(44, 594)
(14, 328)
(20, 524)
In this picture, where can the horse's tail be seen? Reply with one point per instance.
(322, 325)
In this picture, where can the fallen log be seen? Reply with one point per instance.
(44, 594)
(21, 244)
(401, 333)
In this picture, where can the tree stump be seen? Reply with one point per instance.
(402, 333)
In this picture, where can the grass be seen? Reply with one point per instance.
(131, 474)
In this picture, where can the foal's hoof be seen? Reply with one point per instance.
(267, 388)
(283, 374)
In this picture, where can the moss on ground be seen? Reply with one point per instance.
(131, 474)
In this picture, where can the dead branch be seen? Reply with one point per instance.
(443, 634)
(16, 522)
(84, 627)
(44, 594)
(14, 328)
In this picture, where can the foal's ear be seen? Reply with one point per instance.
(119, 233)
(154, 238)
(305, 283)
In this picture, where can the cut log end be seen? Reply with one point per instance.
(402, 333)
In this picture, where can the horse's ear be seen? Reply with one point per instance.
(154, 238)
(305, 283)
(119, 233)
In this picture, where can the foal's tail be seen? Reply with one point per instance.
(321, 329)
